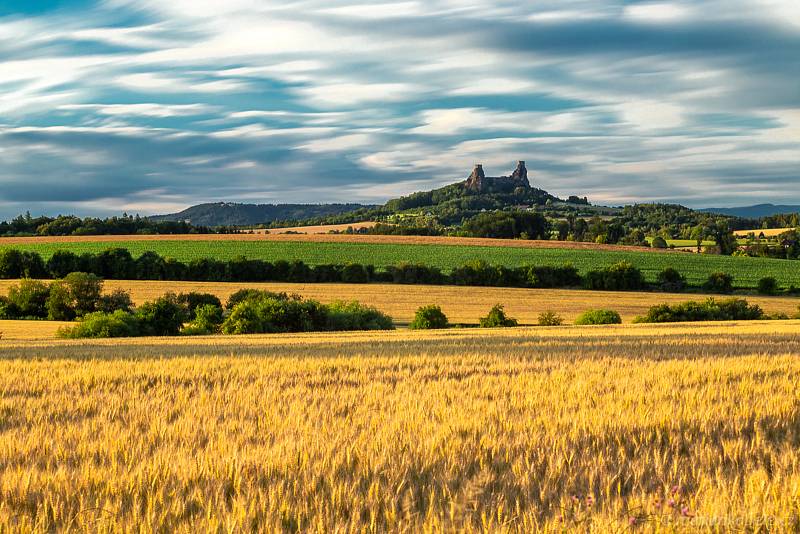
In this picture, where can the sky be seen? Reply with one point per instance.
(150, 106)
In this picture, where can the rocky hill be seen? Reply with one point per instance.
(233, 214)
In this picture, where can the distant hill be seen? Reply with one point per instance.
(233, 214)
(754, 212)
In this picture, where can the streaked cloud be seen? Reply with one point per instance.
(148, 105)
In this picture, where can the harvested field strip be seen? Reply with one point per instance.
(703, 336)
(113, 240)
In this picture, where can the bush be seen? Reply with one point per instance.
(99, 324)
(719, 283)
(477, 273)
(21, 264)
(429, 318)
(193, 300)
(272, 315)
(497, 318)
(150, 266)
(408, 273)
(207, 320)
(671, 280)
(593, 317)
(550, 277)
(709, 310)
(768, 286)
(356, 316)
(115, 264)
(7, 310)
(550, 318)
(659, 242)
(29, 298)
(354, 273)
(162, 317)
(119, 299)
(253, 294)
(63, 262)
(619, 277)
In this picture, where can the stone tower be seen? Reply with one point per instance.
(476, 179)
(520, 175)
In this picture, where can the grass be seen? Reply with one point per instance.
(696, 267)
(562, 429)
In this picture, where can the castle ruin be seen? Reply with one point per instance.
(478, 181)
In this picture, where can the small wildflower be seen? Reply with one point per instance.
(671, 503)
(632, 521)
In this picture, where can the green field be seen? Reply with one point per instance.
(746, 271)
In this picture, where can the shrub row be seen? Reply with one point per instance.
(117, 263)
(248, 311)
(709, 310)
(432, 317)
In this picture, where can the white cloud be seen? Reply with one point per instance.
(158, 82)
(377, 11)
(143, 110)
(656, 12)
(651, 115)
(351, 93)
(338, 144)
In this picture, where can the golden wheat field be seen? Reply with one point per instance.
(640, 428)
(771, 232)
(318, 229)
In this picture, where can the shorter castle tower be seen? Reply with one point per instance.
(476, 179)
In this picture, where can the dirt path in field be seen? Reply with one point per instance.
(333, 238)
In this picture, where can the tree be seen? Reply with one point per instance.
(29, 297)
(63, 262)
(76, 295)
(562, 227)
(725, 238)
(84, 290)
(699, 233)
(497, 318)
(429, 318)
(508, 225)
(162, 317)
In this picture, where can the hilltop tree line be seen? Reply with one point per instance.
(456, 214)
(66, 225)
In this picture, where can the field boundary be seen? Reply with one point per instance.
(335, 238)
(227, 344)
